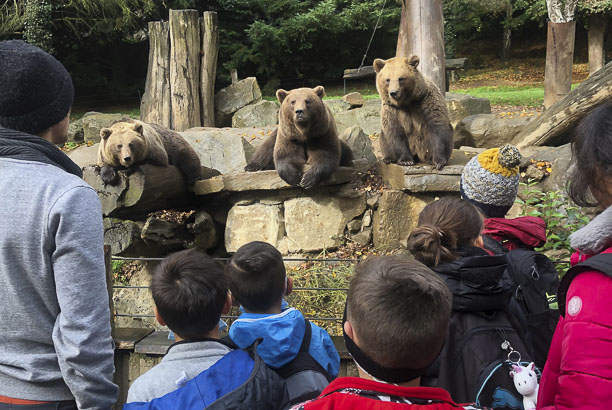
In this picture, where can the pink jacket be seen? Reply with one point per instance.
(578, 374)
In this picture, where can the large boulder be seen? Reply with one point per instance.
(487, 130)
(255, 222)
(261, 114)
(226, 150)
(354, 99)
(396, 217)
(366, 117)
(93, 122)
(360, 144)
(316, 223)
(232, 98)
(464, 105)
(85, 155)
(75, 131)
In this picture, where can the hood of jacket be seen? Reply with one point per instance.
(528, 230)
(596, 236)
(477, 280)
(282, 334)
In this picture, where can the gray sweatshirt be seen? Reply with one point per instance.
(183, 362)
(54, 316)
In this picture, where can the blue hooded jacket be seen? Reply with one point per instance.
(282, 335)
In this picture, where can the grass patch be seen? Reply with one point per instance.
(529, 96)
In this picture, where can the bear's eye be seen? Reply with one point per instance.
(401, 79)
(293, 102)
(130, 145)
(388, 81)
(119, 146)
(307, 102)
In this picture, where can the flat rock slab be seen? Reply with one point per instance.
(261, 181)
(425, 178)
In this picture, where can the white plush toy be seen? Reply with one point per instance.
(526, 382)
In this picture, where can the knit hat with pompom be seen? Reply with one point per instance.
(490, 180)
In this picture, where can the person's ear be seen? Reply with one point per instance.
(479, 242)
(229, 301)
(348, 329)
(158, 317)
(289, 286)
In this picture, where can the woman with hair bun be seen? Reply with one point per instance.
(448, 240)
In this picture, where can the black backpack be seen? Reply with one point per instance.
(601, 263)
(536, 279)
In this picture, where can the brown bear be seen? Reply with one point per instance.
(414, 117)
(131, 142)
(306, 134)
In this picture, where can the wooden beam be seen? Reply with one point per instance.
(210, 48)
(156, 104)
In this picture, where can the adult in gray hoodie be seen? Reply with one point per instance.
(56, 349)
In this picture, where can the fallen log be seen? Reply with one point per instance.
(554, 126)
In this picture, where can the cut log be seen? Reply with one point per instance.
(150, 188)
(559, 59)
(421, 33)
(185, 69)
(123, 236)
(210, 47)
(552, 127)
(156, 106)
(598, 25)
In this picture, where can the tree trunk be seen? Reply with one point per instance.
(559, 60)
(507, 36)
(552, 127)
(156, 106)
(185, 69)
(598, 24)
(421, 33)
(210, 47)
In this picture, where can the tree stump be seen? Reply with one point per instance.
(185, 69)
(210, 47)
(156, 106)
(559, 59)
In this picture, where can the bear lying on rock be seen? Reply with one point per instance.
(306, 134)
(414, 116)
(131, 142)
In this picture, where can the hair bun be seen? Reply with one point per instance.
(509, 156)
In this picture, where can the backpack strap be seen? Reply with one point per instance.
(601, 263)
(226, 340)
(307, 336)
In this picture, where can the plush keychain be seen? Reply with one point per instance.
(526, 382)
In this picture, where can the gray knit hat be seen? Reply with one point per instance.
(490, 180)
(36, 90)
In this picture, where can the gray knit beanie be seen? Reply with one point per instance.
(490, 180)
(36, 90)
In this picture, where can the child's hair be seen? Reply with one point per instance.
(592, 155)
(400, 310)
(444, 226)
(257, 276)
(189, 290)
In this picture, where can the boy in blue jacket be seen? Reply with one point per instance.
(258, 281)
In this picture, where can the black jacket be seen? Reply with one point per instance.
(484, 315)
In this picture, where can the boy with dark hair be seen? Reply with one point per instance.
(396, 320)
(258, 281)
(190, 294)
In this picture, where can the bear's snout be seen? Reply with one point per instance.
(394, 94)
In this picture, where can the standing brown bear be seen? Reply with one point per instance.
(306, 134)
(414, 117)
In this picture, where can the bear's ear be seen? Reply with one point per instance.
(379, 64)
(319, 91)
(137, 127)
(414, 61)
(281, 95)
(105, 133)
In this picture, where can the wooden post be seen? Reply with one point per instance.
(109, 285)
(210, 47)
(185, 69)
(559, 59)
(421, 33)
(155, 106)
(598, 25)
(234, 75)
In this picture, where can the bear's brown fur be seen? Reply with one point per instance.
(306, 134)
(130, 142)
(414, 117)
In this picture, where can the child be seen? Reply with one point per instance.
(190, 294)
(258, 281)
(578, 373)
(395, 323)
(448, 241)
(490, 181)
